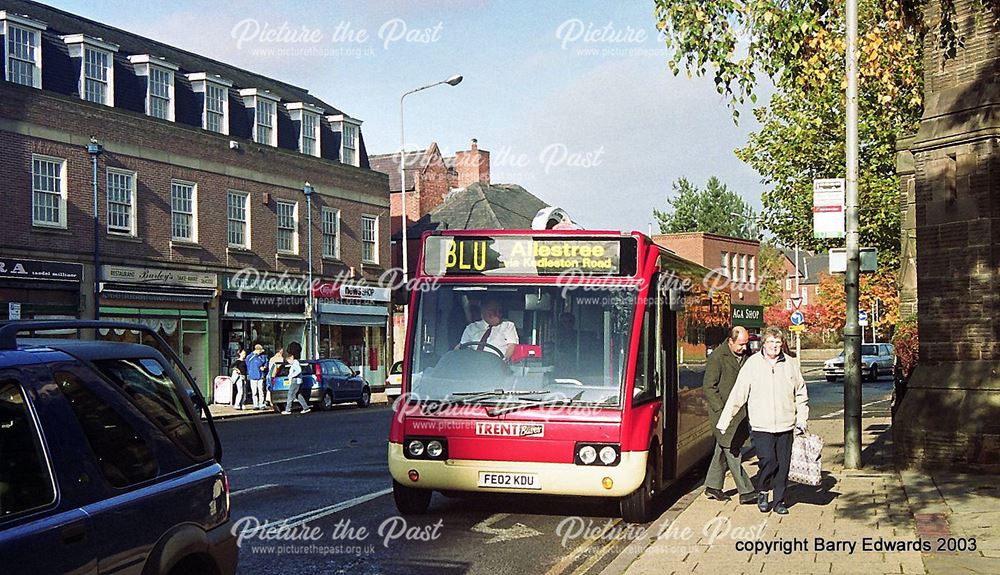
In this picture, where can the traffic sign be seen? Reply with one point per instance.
(796, 301)
(797, 318)
(797, 328)
(862, 318)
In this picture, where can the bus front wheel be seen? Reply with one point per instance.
(410, 501)
(637, 507)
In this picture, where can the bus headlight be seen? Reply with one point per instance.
(608, 455)
(587, 454)
(415, 448)
(435, 449)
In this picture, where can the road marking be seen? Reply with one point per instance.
(841, 411)
(595, 557)
(252, 489)
(517, 531)
(283, 460)
(574, 555)
(315, 514)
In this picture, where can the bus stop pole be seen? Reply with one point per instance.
(852, 341)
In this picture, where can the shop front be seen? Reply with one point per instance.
(353, 326)
(258, 310)
(36, 289)
(174, 303)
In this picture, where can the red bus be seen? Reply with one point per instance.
(601, 395)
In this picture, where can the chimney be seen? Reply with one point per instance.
(473, 166)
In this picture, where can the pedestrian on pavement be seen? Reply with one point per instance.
(721, 371)
(770, 384)
(256, 372)
(294, 380)
(272, 370)
(238, 376)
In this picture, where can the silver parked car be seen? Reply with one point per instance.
(876, 359)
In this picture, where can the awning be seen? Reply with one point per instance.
(352, 315)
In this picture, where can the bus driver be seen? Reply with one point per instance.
(492, 329)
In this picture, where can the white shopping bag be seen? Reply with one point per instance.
(807, 465)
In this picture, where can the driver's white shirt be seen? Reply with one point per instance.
(500, 337)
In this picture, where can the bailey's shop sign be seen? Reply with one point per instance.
(347, 291)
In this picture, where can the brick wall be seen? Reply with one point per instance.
(38, 122)
(706, 249)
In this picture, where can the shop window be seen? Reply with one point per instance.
(48, 191)
(25, 481)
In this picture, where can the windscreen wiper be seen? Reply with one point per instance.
(471, 397)
(537, 403)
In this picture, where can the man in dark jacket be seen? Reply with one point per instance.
(720, 375)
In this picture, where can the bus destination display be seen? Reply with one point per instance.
(526, 256)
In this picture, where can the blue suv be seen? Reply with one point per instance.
(105, 464)
(325, 382)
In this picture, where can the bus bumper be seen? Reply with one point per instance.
(549, 478)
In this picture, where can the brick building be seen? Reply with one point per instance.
(734, 258)
(949, 416)
(202, 174)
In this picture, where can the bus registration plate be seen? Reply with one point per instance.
(509, 480)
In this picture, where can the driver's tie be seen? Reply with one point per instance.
(482, 340)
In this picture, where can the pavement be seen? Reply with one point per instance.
(227, 411)
(875, 506)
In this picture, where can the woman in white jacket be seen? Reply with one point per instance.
(770, 384)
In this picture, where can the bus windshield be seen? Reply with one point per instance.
(532, 343)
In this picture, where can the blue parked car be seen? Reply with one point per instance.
(325, 383)
(105, 463)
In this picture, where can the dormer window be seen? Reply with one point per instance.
(159, 85)
(265, 118)
(215, 111)
(97, 77)
(23, 51)
(307, 116)
(350, 138)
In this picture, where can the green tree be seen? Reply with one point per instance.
(771, 273)
(710, 210)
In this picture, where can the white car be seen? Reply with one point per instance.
(876, 359)
(394, 382)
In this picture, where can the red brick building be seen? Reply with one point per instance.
(734, 258)
(201, 175)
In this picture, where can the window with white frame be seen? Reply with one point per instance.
(215, 91)
(369, 239)
(350, 144)
(97, 76)
(725, 263)
(788, 284)
(287, 228)
(743, 267)
(24, 55)
(48, 191)
(734, 262)
(121, 202)
(309, 144)
(239, 221)
(264, 121)
(331, 233)
(753, 269)
(161, 88)
(788, 304)
(183, 200)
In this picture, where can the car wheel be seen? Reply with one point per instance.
(831, 378)
(873, 373)
(366, 398)
(410, 501)
(326, 403)
(637, 507)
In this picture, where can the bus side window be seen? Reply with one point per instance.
(645, 361)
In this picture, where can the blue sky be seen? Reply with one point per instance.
(574, 100)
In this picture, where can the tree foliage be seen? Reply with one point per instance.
(770, 274)
(710, 210)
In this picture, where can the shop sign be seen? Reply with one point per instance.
(156, 276)
(748, 315)
(354, 292)
(264, 282)
(36, 270)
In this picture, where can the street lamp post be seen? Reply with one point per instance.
(308, 190)
(95, 149)
(453, 81)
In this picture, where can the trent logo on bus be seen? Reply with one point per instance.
(510, 429)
